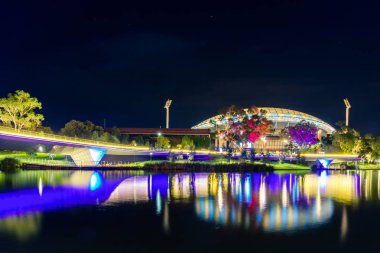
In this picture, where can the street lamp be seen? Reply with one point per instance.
(348, 106)
(40, 148)
(167, 106)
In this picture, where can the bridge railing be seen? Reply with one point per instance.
(87, 142)
(66, 139)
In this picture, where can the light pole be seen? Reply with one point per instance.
(348, 106)
(167, 106)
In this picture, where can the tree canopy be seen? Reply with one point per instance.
(244, 125)
(86, 129)
(303, 134)
(162, 142)
(18, 110)
(187, 142)
(89, 130)
(345, 139)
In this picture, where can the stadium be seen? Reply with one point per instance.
(280, 119)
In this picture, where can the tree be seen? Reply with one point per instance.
(106, 137)
(303, 134)
(201, 142)
(362, 148)
(162, 142)
(326, 143)
(76, 128)
(139, 140)
(187, 142)
(18, 111)
(125, 139)
(44, 129)
(243, 126)
(116, 133)
(374, 143)
(86, 130)
(345, 139)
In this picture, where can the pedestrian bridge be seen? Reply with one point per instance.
(83, 152)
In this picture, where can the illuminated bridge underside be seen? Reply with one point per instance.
(81, 156)
(279, 116)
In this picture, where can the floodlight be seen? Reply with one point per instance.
(348, 106)
(167, 106)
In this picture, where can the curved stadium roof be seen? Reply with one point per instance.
(276, 115)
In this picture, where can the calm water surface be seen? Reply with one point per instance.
(113, 211)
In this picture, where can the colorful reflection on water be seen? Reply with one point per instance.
(266, 202)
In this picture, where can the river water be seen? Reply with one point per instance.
(121, 211)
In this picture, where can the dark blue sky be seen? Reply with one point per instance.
(121, 60)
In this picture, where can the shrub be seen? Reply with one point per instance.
(10, 165)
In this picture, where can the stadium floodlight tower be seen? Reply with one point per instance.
(348, 106)
(167, 106)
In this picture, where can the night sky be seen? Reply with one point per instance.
(121, 60)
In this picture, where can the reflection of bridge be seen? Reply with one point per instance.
(82, 188)
(270, 202)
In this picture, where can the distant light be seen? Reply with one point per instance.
(159, 134)
(40, 148)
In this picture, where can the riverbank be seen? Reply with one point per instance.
(185, 166)
(221, 163)
(206, 166)
(167, 167)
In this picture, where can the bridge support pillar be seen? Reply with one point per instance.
(82, 157)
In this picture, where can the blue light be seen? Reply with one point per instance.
(95, 181)
(97, 154)
(325, 162)
(158, 203)
(240, 193)
(248, 190)
(211, 209)
(323, 179)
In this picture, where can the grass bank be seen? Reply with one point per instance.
(209, 167)
(290, 166)
(369, 167)
(213, 165)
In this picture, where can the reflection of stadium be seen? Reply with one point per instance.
(280, 118)
(255, 201)
(270, 203)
